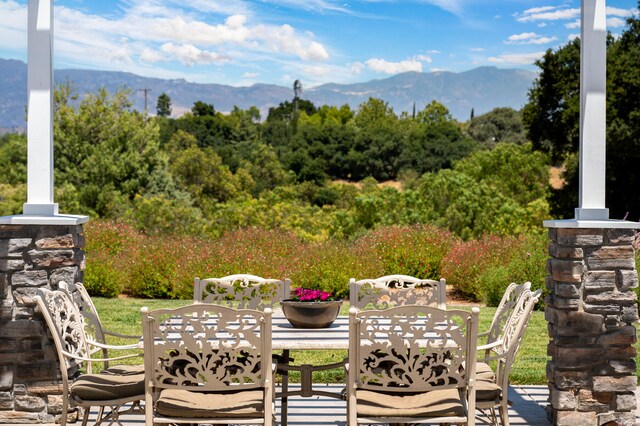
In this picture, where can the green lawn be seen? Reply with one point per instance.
(123, 316)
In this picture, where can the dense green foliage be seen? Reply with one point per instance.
(552, 120)
(312, 171)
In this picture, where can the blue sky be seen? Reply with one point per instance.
(242, 42)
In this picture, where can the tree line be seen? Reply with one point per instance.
(316, 170)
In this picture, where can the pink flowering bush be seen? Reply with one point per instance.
(309, 295)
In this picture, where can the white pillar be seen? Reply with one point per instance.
(593, 114)
(40, 111)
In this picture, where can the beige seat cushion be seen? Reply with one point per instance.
(101, 387)
(125, 370)
(434, 403)
(487, 391)
(485, 372)
(184, 403)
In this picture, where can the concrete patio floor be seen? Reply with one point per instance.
(528, 408)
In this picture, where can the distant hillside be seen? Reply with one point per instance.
(481, 89)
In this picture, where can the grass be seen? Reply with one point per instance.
(123, 316)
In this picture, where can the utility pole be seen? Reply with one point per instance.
(146, 92)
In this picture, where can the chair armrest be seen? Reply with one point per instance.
(85, 359)
(114, 347)
(490, 345)
(484, 333)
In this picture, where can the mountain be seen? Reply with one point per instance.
(482, 89)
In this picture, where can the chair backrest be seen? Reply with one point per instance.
(205, 347)
(80, 297)
(241, 291)
(505, 309)
(412, 349)
(514, 331)
(66, 326)
(396, 290)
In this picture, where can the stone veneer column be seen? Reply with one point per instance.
(32, 256)
(591, 309)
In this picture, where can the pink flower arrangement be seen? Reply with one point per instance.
(308, 295)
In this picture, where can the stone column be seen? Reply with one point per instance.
(591, 309)
(32, 256)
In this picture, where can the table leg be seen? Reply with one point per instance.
(284, 409)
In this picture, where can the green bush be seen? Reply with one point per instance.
(483, 269)
(102, 278)
(416, 250)
(329, 266)
(153, 272)
(468, 260)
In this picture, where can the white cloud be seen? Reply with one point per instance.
(283, 39)
(190, 55)
(477, 49)
(13, 18)
(529, 38)
(318, 71)
(623, 13)
(382, 66)
(251, 75)
(423, 58)
(536, 14)
(571, 37)
(534, 10)
(573, 25)
(616, 23)
(356, 68)
(517, 58)
(156, 31)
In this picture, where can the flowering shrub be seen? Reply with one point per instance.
(121, 259)
(309, 295)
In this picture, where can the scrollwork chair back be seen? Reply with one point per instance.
(207, 349)
(411, 349)
(241, 291)
(396, 290)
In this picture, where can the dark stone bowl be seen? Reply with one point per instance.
(311, 314)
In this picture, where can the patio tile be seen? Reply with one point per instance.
(529, 402)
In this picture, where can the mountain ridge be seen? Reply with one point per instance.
(480, 89)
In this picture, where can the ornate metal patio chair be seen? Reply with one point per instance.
(96, 334)
(396, 290)
(497, 328)
(66, 325)
(493, 385)
(424, 349)
(241, 291)
(503, 312)
(208, 363)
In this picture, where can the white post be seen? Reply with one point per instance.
(593, 114)
(40, 111)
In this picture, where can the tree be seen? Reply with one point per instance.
(498, 125)
(202, 109)
(104, 149)
(553, 112)
(163, 107)
(434, 113)
(375, 113)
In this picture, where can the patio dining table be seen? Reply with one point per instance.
(285, 338)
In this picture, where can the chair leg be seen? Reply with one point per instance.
(85, 417)
(504, 413)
